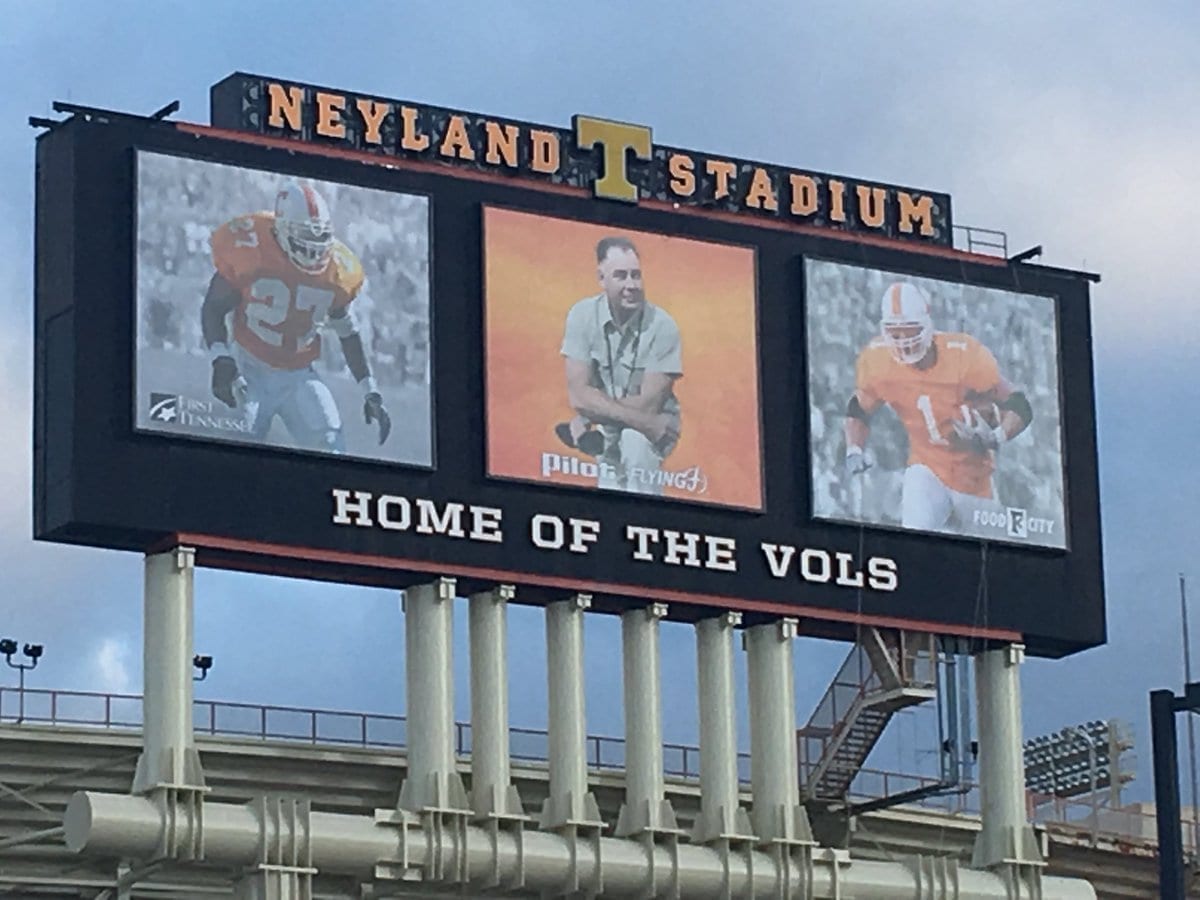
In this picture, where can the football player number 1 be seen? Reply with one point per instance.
(926, 408)
(275, 307)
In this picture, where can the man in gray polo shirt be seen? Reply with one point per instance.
(622, 359)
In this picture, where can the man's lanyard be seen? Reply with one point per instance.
(637, 340)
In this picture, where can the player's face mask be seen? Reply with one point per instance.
(308, 244)
(908, 342)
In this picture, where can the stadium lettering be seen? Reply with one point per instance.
(683, 548)
(615, 141)
(661, 546)
(549, 533)
(362, 509)
(822, 567)
(615, 160)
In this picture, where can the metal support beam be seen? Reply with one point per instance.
(44, 835)
(283, 870)
(569, 802)
(721, 818)
(169, 758)
(1007, 840)
(432, 779)
(1171, 882)
(774, 774)
(646, 807)
(492, 790)
(384, 851)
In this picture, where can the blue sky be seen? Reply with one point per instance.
(1072, 127)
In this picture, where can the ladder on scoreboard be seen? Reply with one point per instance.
(885, 672)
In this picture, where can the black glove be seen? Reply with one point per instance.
(228, 385)
(375, 411)
(589, 441)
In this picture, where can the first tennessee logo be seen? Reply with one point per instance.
(164, 408)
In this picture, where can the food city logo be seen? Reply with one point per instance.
(614, 160)
(1015, 522)
(692, 479)
(176, 410)
(641, 543)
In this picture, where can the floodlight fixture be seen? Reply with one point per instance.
(1078, 759)
(32, 652)
(202, 664)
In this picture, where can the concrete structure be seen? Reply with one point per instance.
(286, 845)
(41, 766)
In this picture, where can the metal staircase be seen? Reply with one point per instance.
(884, 672)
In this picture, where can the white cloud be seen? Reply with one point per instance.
(16, 407)
(110, 667)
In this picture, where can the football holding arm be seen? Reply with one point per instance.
(341, 320)
(220, 300)
(1010, 414)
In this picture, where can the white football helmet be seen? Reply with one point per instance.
(905, 322)
(303, 227)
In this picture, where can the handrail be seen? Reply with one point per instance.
(381, 730)
(308, 725)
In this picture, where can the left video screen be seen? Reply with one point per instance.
(282, 312)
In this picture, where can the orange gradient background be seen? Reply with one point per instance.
(537, 267)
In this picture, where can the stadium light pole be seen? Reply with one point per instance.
(1083, 740)
(32, 652)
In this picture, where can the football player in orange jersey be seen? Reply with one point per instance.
(283, 275)
(954, 403)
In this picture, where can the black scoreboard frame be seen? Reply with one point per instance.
(98, 481)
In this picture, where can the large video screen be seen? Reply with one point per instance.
(621, 360)
(282, 312)
(934, 406)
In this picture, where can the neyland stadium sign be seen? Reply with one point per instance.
(610, 160)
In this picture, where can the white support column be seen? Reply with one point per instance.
(569, 803)
(774, 777)
(432, 779)
(721, 818)
(1006, 838)
(645, 808)
(492, 791)
(169, 758)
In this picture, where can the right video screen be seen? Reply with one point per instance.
(934, 406)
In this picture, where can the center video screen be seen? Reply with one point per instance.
(934, 406)
(282, 312)
(621, 360)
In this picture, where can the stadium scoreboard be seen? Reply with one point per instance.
(368, 340)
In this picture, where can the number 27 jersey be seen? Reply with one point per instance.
(282, 307)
